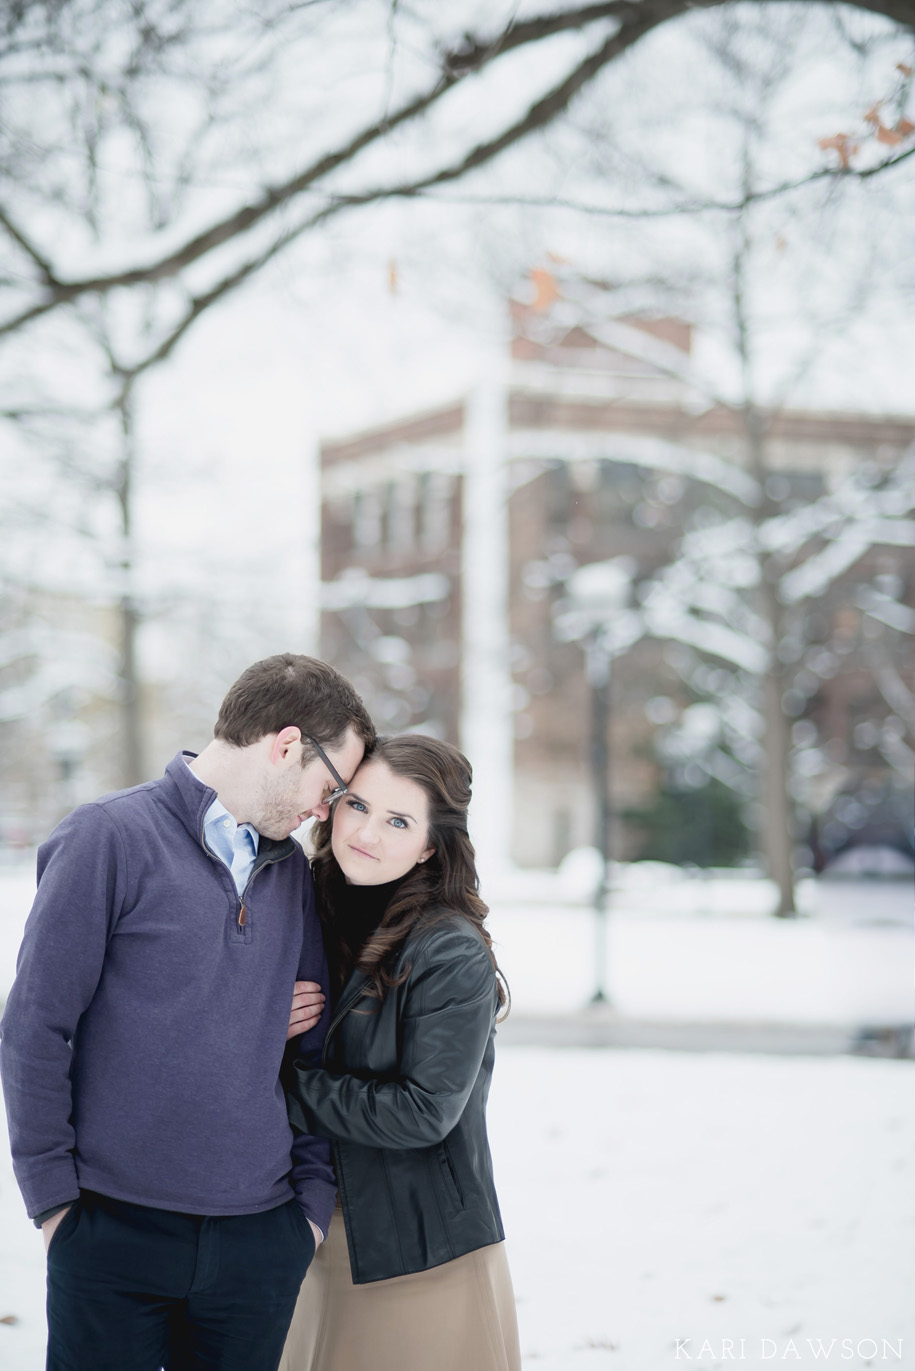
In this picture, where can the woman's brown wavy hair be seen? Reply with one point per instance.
(447, 882)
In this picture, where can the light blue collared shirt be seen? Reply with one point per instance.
(235, 844)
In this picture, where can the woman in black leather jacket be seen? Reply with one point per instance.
(413, 1274)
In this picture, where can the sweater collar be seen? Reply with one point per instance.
(192, 798)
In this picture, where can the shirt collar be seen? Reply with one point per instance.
(218, 811)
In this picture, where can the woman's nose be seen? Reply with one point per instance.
(367, 831)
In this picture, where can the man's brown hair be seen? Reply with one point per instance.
(292, 690)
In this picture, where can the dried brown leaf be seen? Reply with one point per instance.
(546, 288)
(842, 144)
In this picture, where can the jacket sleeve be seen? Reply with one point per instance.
(82, 886)
(312, 1169)
(446, 1022)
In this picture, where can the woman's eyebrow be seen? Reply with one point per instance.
(398, 815)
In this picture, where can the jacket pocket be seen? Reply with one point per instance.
(449, 1175)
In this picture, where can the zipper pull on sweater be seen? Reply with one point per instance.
(242, 916)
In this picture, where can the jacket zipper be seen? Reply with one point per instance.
(242, 907)
(341, 1014)
(242, 917)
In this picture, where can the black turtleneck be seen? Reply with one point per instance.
(360, 909)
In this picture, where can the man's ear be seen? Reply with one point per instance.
(284, 742)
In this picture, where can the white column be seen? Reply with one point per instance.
(308, 606)
(486, 712)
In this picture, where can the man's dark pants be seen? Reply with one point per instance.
(136, 1289)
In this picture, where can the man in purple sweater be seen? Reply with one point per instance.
(144, 1033)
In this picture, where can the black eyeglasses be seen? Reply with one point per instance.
(342, 787)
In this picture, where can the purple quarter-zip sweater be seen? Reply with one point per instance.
(143, 1036)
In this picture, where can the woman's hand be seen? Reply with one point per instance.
(307, 1004)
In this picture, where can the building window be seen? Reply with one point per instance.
(401, 515)
(436, 490)
(367, 512)
(562, 834)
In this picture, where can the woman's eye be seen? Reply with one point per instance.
(356, 804)
(399, 823)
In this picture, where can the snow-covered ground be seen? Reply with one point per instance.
(652, 1196)
(708, 950)
(679, 946)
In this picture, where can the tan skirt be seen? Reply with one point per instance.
(454, 1317)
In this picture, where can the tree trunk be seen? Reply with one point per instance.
(131, 760)
(776, 744)
(776, 797)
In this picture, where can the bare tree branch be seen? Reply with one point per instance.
(242, 220)
(900, 11)
(539, 114)
(682, 207)
(235, 224)
(41, 262)
(634, 19)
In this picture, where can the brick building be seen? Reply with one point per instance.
(448, 538)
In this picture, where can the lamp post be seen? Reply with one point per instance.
(68, 742)
(597, 671)
(595, 613)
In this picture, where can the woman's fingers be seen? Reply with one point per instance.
(307, 1004)
(307, 995)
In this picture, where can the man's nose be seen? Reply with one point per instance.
(320, 811)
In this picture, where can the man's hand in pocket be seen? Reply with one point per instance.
(50, 1226)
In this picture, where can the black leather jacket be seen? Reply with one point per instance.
(403, 1097)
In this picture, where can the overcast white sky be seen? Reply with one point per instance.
(320, 345)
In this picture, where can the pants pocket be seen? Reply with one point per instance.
(304, 1228)
(66, 1226)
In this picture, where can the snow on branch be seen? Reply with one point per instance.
(666, 617)
(356, 589)
(886, 610)
(583, 305)
(657, 454)
(470, 57)
(787, 533)
(816, 574)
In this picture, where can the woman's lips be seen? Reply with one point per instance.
(360, 852)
